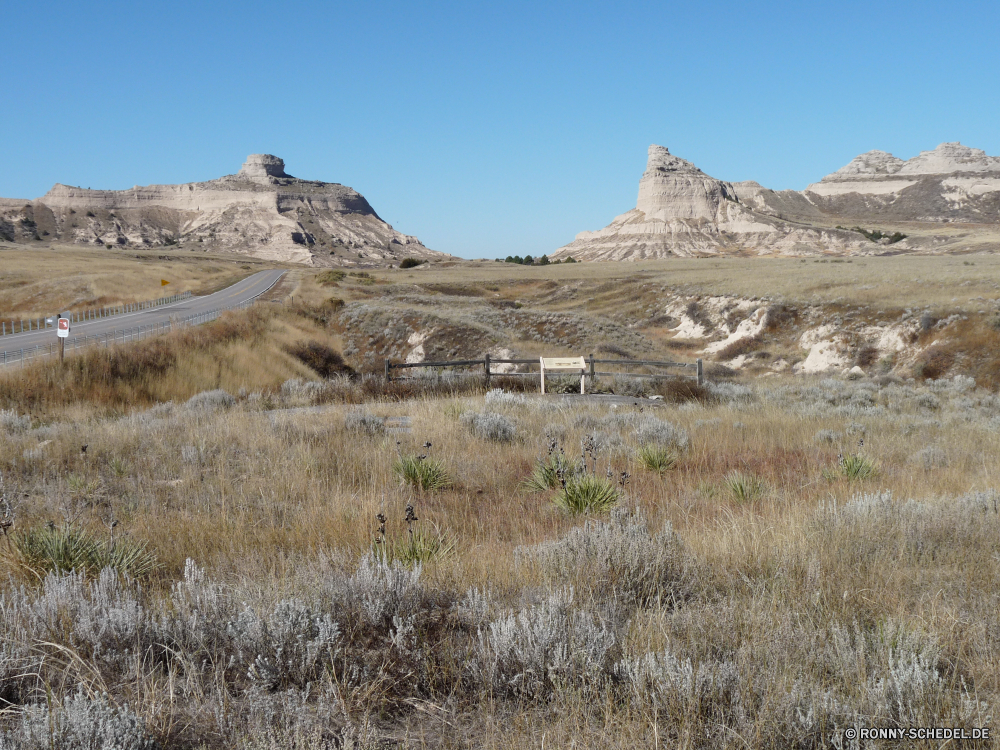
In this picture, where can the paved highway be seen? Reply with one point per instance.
(250, 287)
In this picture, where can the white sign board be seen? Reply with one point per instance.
(563, 363)
(62, 329)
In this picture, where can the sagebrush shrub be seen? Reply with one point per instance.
(490, 426)
(618, 557)
(102, 619)
(309, 391)
(83, 723)
(623, 385)
(545, 647)
(291, 647)
(210, 400)
(499, 398)
(12, 423)
(364, 422)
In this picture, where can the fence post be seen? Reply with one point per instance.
(701, 373)
(593, 375)
(388, 377)
(486, 369)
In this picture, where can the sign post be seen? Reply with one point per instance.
(563, 363)
(62, 331)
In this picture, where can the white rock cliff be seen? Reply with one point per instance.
(682, 211)
(261, 211)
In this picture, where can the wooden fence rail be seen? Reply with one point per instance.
(487, 362)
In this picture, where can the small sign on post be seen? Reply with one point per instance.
(563, 363)
(62, 331)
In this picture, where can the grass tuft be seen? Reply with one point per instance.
(60, 549)
(587, 494)
(744, 487)
(416, 547)
(549, 473)
(657, 458)
(856, 466)
(425, 474)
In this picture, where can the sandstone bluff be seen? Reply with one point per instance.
(945, 200)
(260, 210)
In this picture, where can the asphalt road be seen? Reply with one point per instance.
(242, 291)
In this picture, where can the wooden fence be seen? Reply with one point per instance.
(487, 362)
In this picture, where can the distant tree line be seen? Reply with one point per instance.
(527, 260)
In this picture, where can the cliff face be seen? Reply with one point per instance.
(261, 211)
(952, 183)
(682, 211)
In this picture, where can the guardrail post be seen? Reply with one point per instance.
(486, 368)
(593, 375)
(701, 373)
(388, 366)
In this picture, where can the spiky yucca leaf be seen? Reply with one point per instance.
(587, 494)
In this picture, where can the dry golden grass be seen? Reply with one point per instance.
(37, 282)
(256, 495)
(887, 282)
(795, 606)
(249, 350)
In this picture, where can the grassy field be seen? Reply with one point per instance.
(899, 281)
(38, 282)
(760, 563)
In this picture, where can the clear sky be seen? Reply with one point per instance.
(486, 129)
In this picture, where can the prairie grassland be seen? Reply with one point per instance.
(785, 558)
(38, 282)
(690, 616)
(883, 282)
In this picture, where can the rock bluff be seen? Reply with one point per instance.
(680, 210)
(261, 210)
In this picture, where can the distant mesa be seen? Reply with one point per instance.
(259, 167)
(681, 211)
(261, 211)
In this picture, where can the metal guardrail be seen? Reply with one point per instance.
(14, 357)
(9, 328)
(487, 361)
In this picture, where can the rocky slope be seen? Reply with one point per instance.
(682, 211)
(261, 211)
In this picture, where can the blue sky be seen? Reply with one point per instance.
(486, 129)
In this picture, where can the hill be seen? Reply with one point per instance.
(945, 200)
(260, 211)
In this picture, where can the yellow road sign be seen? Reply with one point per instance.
(163, 282)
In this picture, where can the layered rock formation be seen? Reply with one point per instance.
(952, 183)
(682, 211)
(261, 211)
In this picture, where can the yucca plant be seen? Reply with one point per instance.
(744, 487)
(49, 549)
(856, 466)
(416, 546)
(587, 494)
(119, 467)
(422, 473)
(550, 472)
(657, 458)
